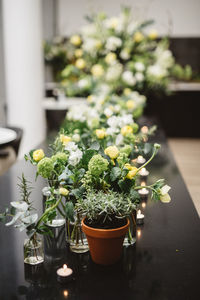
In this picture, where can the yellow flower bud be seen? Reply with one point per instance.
(75, 40)
(126, 130)
(112, 152)
(153, 34)
(78, 52)
(128, 166)
(138, 37)
(100, 133)
(80, 63)
(110, 58)
(97, 70)
(90, 98)
(130, 104)
(38, 154)
(127, 91)
(132, 173)
(65, 139)
(63, 191)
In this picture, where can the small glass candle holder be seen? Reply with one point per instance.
(144, 192)
(140, 160)
(140, 218)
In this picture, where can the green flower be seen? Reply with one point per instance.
(60, 156)
(97, 165)
(45, 167)
(126, 149)
(122, 159)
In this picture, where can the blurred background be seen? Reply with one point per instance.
(28, 84)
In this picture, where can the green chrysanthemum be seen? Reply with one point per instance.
(97, 165)
(45, 167)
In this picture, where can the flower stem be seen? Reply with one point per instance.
(148, 161)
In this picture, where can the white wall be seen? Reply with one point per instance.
(180, 18)
(23, 53)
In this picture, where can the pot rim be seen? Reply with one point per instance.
(104, 233)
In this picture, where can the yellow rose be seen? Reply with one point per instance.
(80, 63)
(100, 133)
(112, 152)
(65, 139)
(132, 173)
(138, 37)
(130, 104)
(97, 70)
(127, 91)
(38, 154)
(78, 52)
(126, 130)
(110, 58)
(153, 34)
(75, 40)
(63, 191)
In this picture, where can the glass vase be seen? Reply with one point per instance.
(33, 251)
(75, 236)
(130, 237)
(59, 217)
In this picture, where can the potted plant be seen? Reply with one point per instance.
(105, 223)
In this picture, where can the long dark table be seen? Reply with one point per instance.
(164, 264)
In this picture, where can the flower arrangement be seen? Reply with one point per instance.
(120, 52)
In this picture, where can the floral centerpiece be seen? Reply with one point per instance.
(118, 51)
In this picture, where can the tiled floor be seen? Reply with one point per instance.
(187, 156)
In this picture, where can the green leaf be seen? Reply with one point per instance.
(134, 195)
(69, 209)
(87, 156)
(115, 173)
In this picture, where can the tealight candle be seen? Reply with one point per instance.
(143, 192)
(143, 174)
(64, 274)
(140, 218)
(141, 160)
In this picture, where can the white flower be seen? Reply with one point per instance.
(71, 146)
(124, 54)
(113, 43)
(90, 45)
(125, 120)
(75, 157)
(165, 197)
(128, 78)
(139, 76)
(117, 108)
(46, 191)
(111, 23)
(77, 113)
(76, 137)
(139, 66)
(111, 130)
(114, 72)
(83, 83)
(108, 112)
(119, 139)
(113, 122)
(21, 211)
(132, 27)
(156, 71)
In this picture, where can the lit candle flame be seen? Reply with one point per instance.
(139, 232)
(139, 212)
(65, 267)
(144, 129)
(143, 204)
(65, 293)
(143, 183)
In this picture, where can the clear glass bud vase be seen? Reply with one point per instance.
(75, 237)
(130, 237)
(33, 250)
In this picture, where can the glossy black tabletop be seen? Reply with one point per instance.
(164, 264)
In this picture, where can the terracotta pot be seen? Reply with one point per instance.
(105, 244)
